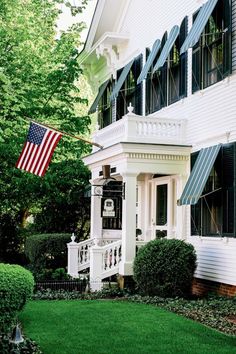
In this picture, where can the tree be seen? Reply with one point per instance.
(39, 76)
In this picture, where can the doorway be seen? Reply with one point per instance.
(162, 207)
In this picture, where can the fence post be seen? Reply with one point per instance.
(72, 265)
(96, 267)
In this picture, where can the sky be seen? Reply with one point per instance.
(66, 20)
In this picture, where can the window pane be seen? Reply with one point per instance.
(161, 204)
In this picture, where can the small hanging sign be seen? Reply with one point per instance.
(109, 208)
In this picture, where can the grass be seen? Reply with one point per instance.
(107, 327)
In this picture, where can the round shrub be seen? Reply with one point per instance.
(165, 268)
(16, 287)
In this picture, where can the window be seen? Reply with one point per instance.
(130, 92)
(105, 107)
(161, 206)
(177, 70)
(214, 214)
(156, 84)
(211, 60)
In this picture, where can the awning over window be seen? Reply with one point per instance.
(199, 175)
(167, 48)
(150, 59)
(198, 25)
(101, 90)
(121, 80)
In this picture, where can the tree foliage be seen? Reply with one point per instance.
(39, 75)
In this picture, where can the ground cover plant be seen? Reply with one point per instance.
(117, 327)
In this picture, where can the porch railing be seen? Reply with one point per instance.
(140, 129)
(111, 257)
(84, 254)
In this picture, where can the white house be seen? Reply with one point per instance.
(165, 76)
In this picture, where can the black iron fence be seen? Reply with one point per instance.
(66, 285)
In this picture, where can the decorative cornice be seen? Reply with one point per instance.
(111, 56)
(149, 156)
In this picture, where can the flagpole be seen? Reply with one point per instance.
(64, 133)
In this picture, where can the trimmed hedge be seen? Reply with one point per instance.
(47, 251)
(16, 287)
(165, 267)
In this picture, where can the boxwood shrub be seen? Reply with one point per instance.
(47, 251)
(165, 267)
(16, 287)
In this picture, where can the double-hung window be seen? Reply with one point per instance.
(156, 84)
(130, 92)
(177, 68)
(214, 213)
(105, 107)
(211, 60)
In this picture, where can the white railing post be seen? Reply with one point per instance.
(72, 265)
(96, 267)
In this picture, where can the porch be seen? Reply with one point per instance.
(152, 175)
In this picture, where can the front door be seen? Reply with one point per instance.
(162, 208)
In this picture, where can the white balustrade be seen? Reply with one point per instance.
(111, 257)
(84, 254)
(104, 262)
(134, 128)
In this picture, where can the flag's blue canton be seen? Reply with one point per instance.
(36, 134)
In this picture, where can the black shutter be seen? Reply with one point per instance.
(120, 99)
(196, 69)
(138, 64)
(227, 38)
(163, 86)
(148, 88)
(183, 59)
(228, 190)
(163, 77)
(196, 63)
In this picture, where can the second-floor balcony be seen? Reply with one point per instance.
(134, 128)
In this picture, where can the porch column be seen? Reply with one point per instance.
(96, 219)
(181, 210)
(128, 224)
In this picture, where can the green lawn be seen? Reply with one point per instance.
(79, 327)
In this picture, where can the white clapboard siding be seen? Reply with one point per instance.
(215, 258)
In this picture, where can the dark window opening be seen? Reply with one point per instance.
(211, 60)
(105, 107)
(156, 84)
(177, 71)
(214, 214)
(130, 92)
(161, 204)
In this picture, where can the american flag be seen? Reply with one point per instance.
(38, 149)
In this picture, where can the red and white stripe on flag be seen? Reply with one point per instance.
(38, 149)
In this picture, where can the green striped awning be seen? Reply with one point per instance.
(199, 175)
(121, 80)
(167, 48)
(198, 25)
(150, 59)
(101, 90)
